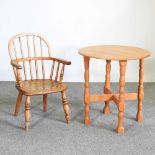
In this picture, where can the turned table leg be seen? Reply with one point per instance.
(86, 91)
(106, 109)
(27, 112)
(139, 116)
(121, 103)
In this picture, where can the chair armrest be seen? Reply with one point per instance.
(15, 64)
(66, 62)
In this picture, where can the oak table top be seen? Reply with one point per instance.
(114, 52)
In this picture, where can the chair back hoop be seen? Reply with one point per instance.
(32, 52)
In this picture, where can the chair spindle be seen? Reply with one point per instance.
(22, 54)
(62, 73)
(52, 69)
(42, 62)
(57, 71)
(30, 63)
(36, 64)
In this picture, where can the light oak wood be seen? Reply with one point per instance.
(121, 54)
(62, 73)
(57, 71)
(114, 52)
(30, 63)
(22, 54)
(86, 91)
(112, 96)
(106, 109)
(18, 103)
(27, 112)
(65, 106)
(121, 104)
(36, 62)
(16, 61)
(52, 69)
(28, 52)
(42, 61)
(40, 87)
(139, 116)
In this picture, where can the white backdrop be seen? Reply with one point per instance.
(72, 24)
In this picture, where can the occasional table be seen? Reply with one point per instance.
(121, 54)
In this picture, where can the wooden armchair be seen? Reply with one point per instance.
(36, 72)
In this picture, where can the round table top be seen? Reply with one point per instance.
(114, 52)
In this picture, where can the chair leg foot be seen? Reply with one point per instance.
(66, 107)
(87, 121)
(18, 103)
(106, 109)
(68, 119)
(139, 117)
(120, 130)
(27, 113)
(45, 103)
(27, 126)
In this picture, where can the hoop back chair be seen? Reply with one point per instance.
(36, 72)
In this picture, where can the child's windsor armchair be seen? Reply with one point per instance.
(36, 71)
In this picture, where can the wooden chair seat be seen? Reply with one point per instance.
(40, 87)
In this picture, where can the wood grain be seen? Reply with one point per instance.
(65, 106)
(106, 109)
(114, 52)
(18, 103)
(86, 91)
(35, 54)
(30, 63)
(111, 96)
(139, 116)
(121, 104)
(27, 112)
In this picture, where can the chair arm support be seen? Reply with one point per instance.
(15, 64)
(61, 60)
(18, 67)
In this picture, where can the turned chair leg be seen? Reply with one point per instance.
(27, 112)
(18, 103)
(106, 109)
(121, 104)
(65, 106)
(45, 102)
(86, 91)
(139, 116)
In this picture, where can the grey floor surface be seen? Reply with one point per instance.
(50, 135)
